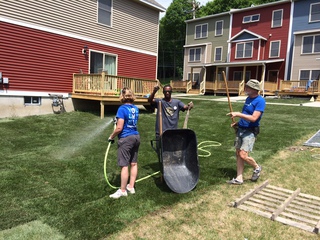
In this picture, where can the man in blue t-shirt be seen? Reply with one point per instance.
(247, 130)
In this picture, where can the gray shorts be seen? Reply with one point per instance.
(245, 140)
(128, 148)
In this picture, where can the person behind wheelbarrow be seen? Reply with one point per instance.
(247, 130)
(170, 109)
(128, 142)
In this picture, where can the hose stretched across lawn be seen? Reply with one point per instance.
(201, 147)
(105, 170)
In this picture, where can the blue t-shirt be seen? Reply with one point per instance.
(130, 114)
(252, 104)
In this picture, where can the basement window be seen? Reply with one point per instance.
(32, 101)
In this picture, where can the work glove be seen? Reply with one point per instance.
(190, 105)
(156, 89)
(110, 140)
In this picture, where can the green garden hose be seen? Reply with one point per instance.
(201, 147)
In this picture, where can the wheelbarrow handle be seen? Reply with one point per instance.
(154, 148)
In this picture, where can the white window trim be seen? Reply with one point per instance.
(279, 41)
(215, 31)
(111, 14)
(250, 21)
(272, 23)
(215, 51)
(195, 59)
(244, 50)
(310, 73)
(32, 104)
(311, 5)
(201, 36)
(313, 44)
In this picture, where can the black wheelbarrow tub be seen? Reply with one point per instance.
(180, 159)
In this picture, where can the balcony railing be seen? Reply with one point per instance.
(110, 85)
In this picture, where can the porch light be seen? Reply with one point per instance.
(85, 50)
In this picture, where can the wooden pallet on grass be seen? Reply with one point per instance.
(288, 207)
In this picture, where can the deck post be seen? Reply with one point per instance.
(101, 110)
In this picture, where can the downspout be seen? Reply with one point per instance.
(263, 76)
(289, 46)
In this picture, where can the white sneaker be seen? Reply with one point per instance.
(130, 190)
(118, 194)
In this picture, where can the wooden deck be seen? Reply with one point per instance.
(285, 88)
(106, 89)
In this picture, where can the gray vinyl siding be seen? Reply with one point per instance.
(216, 41)
(303, 61)
(133, 24)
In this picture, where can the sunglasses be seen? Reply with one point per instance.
(167, 91)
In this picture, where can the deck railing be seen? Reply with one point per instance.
(300, 86)
(104, 84)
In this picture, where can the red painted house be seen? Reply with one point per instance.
(46, 42)
(258, 42)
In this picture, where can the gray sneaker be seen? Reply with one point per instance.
(256, 173)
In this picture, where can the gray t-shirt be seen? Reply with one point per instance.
(170, 113)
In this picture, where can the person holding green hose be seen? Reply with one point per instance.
(128, 142)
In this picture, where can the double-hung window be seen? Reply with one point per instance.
(244, 50)
(277, 18)
(104, 12)
(314, 12)
(274, 49)
(219, 28)
(194, 54)
(218, 54)
(201, 31)
(311, 44)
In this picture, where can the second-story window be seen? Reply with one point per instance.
(104, 12)
(219, 28)
(218, 54)
(201, 31)
(251, 18)
(274, 49)
(244, 50)
(194, 54)
(277, 18)
(311, 44)
(314, 12)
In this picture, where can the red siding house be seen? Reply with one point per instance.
(258, 42)
(46, 42)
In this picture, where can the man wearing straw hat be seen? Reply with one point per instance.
(247, 130)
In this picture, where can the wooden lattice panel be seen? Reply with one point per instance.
(288, 207)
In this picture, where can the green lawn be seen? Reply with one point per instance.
(53, 185)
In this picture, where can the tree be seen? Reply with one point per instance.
(172, 35)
